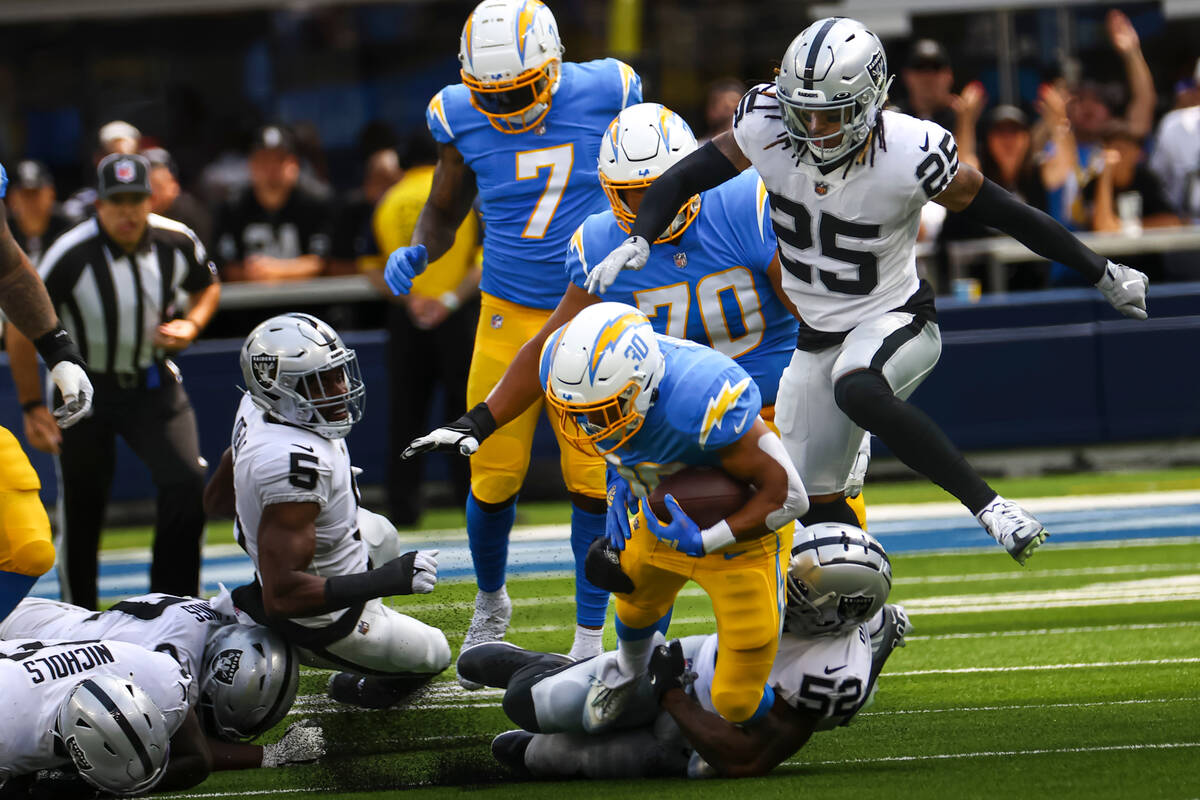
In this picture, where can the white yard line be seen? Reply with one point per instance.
(1036, 706)
(1147, 662)
(1150, 626)
(996, 754)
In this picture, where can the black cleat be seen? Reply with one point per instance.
(369, 691)
(494, 663)
(509, 749)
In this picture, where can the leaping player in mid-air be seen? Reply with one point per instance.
(846, 181)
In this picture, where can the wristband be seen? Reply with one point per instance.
(716, 537)
(56, 346)
(32, 404)
(482, 421)
(450, 301)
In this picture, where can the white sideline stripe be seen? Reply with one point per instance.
(1076, 572)
(1148, 662)
(997, 754)
(1039, 706)
(1147, 590)
(1035, 505)
(1149, 626)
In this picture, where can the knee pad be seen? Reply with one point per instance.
(737, 704)
(34, 559)
(860, 393)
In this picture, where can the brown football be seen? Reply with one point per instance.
(706, 494)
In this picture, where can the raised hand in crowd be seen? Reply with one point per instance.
(968, 106)
(1139, 114)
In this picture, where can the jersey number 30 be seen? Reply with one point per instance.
(559, 159)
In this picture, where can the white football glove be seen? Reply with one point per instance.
(858, 472)
(425, 571)
(447, 437)
(1125, 288)
(629, 254)
(76, 389)
(303, 743)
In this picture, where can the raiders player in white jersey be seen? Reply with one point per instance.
(39, 679)
(246, 675)
(837, 635)
(847, 181)
(297, 516)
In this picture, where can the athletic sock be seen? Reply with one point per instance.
(13, 588)
(911, 435)
(591, 602)
(588, 642)
(487, 535)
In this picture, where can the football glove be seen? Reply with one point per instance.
(680, 533)
(76, 390)
(1125, 288)
(617, 526)
(424, 571)
(404, 264)
(464, 434)
(629, 254)
(668, 669)
(602, 567)
(302, 743)
(858, 472)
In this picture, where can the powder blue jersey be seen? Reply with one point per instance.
(710, 285)
(3, 181)
(705, 403)
(536, 188)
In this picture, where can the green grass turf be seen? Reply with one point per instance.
(1069, 718)
(918, 491)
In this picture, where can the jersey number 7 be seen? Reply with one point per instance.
(560, 160)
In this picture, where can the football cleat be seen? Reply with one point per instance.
(494, 663)
(489, 623)
(1013, 527)
(509, 749)
(367, 691)
(605, 704)
(892, 632)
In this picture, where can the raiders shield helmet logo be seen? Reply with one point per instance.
(875, 67)
(265, 367)
(225, 666)
(124, 171)
(854, 607)
(81, 762)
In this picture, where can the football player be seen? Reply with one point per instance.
(247, 674)
(521, 132)
(319, 573)
(26, 551)
(846, 182)
(652, 405)
(837, 634)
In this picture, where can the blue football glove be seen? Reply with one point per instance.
(617, 526)
(404, 264)
(680, 533)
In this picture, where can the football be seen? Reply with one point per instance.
(706, 494)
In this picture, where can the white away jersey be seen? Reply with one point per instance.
(1176, 159)
(827, 675)
(37, 676)
(274, 462)
(177, 626)
(847, 237)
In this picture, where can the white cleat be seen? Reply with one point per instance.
(605, 704)
(1013, 527)
(489, 623)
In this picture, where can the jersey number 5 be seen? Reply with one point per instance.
(559, 159)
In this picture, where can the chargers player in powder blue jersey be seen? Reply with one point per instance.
(521, 132)
(652, 405)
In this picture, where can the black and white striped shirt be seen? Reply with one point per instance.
(111, 301)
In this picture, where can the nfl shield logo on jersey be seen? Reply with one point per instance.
(681, 260)
(226, 666)
(821, 188)
(124, 171)
(497, 321)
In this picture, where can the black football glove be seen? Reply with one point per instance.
(463, 435)
(602, 567)
(668, 669)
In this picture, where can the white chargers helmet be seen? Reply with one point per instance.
(511, 60)
(834, 67)
(838, 578)
(600, 373)
(115, 734)
(297, 368)
(643, 142)
(248, 683)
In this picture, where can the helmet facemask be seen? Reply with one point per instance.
(626, 215)
(327, 401)
(601, 427)
(517, 105)
(828, 131)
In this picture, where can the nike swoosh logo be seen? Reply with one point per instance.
(307, 447)
(735, 555)
(1133, 282)
(925, 147)
(738, 428)
(829, 671)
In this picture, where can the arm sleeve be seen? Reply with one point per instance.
(1035, 229)
(700, 171)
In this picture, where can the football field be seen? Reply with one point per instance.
(1076, 677)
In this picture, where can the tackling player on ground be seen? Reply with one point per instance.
(521, 132)
(847, 181)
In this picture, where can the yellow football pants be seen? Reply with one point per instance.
(498, 468)
(746, 585)
(25, 543)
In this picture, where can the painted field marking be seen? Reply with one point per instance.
(1149, 626)
(1147, 662)
(997, 754)
(1037, 706)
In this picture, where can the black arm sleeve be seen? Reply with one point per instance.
(394, 577)
(1035, 229)
(702, 170)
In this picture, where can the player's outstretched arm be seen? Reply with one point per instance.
(190, 762)
(979, 198)
(449, 202)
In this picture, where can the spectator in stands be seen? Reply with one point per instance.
(431, 330)
(1176, 158)
(353, 235)
(274, 229)
(1187, 93)
(168, 199)
(724, 94)
(37, 219)
(928, 78)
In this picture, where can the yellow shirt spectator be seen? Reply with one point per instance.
(395, 218)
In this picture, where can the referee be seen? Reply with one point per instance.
(116, 281)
